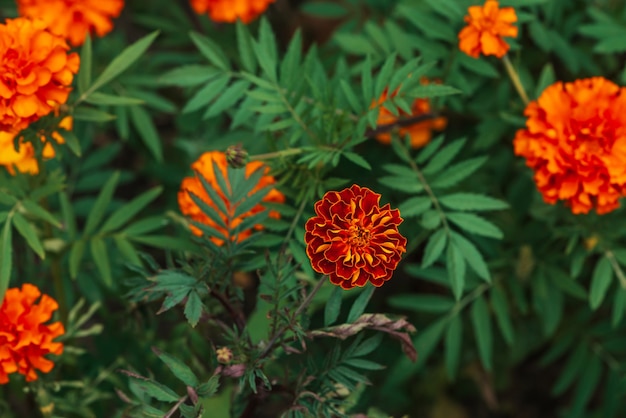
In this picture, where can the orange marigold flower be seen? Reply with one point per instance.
(73, 19)
(24, 158)
(352, 239)
(24, 337)
(575, 141)
(420, 132)
(204, 167)
(35, 72)
(486, 26)
(231, 10)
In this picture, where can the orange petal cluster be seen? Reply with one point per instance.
(420, 132)
(24, 158)
(73, 19)
(35, 72)
(575, 141)
(352, 239)
(486, 26)
(24, 337)
(231, 10)
(204, 167)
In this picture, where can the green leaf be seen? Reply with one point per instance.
(429, 150)
(76, 256)
(414, 206)
(71, 140)
(126, 212)
(209, 388)
(244, 44)
(457, 172)
(147, 131)
(37, 211)
(127, 250)
(421, 303)
(156, 390)
(103, 99)
(101, 259)
(324, 9)
(188, 75)
(29, 233)
(180, 369)
(482, 330)
(102, 202)
(427, 340)
(120, 63)
(501, 310)
(265, 50)
(600, 282)
(443, 157)
(6, 258)
(434, 247)
(431, 219)
(357, 159)
(359, 305)
(572, 368)
(84, 72)
(455, 265)
(356, 104)
(193, 309)
(89, 114)
(472, 202)
(475, 224)
(333, 306)
(587, 384)
(228, 98)
(207, 93)
(473, 257)
(453, 339)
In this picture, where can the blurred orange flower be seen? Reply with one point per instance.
(420, 132)
(24, 338)
(204, 167)
(352, 239)
(575, 141)
(35, 73)
(73, 19)
(231, 10)
(24, 158)
(486, 26)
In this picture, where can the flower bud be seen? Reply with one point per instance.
(236, 156)
(224, 355)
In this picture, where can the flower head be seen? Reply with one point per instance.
(352, 239)
(35, 72)
(575, 141)
(204, 167)
(73, 19)
(486, 26)
(231, 10)
(420, 132)
(24, 337)
(24, 157)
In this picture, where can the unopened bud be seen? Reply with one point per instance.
(591, 242)
(224, 355)
(236, 156)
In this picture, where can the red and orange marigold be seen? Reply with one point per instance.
(24, 158)
(24, 337)
(35, 72)
(352, 239)
(486, 26)
(575, 141)
(420, 132)
(231, 10)
(204, 167)
(73, 19)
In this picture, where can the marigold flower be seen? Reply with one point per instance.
(35, 73)
(73, 19)
(24, 158)
(575, 141)
(420, 132)
(24, 338)
(352, 239)
(204, 166)
(486, 26)
(231, 10)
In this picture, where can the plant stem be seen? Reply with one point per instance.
(305, 303)
(517, 83)
(277, 154)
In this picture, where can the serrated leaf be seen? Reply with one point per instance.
(180, 369)
(104, 99)
(360, 303)
(193, 309)
(414, 206)
(228, 98)
(482, 330)
(156, 390)
(444, 157)
(472, 202)
(28, 232)
(455, 264)
(434, 247)
(102, 202)
(357, 159)
(144, 125)
(37, 211)
(100, 257)
(244, 45)
(455, 173)
(89, 114)
(475, 224)
(473, 257)
(129, 210)
(333, 306)
(600, 282)
(210, 50)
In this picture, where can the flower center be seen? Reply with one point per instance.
(358, 236)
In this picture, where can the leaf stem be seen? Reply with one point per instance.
(514, 76)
